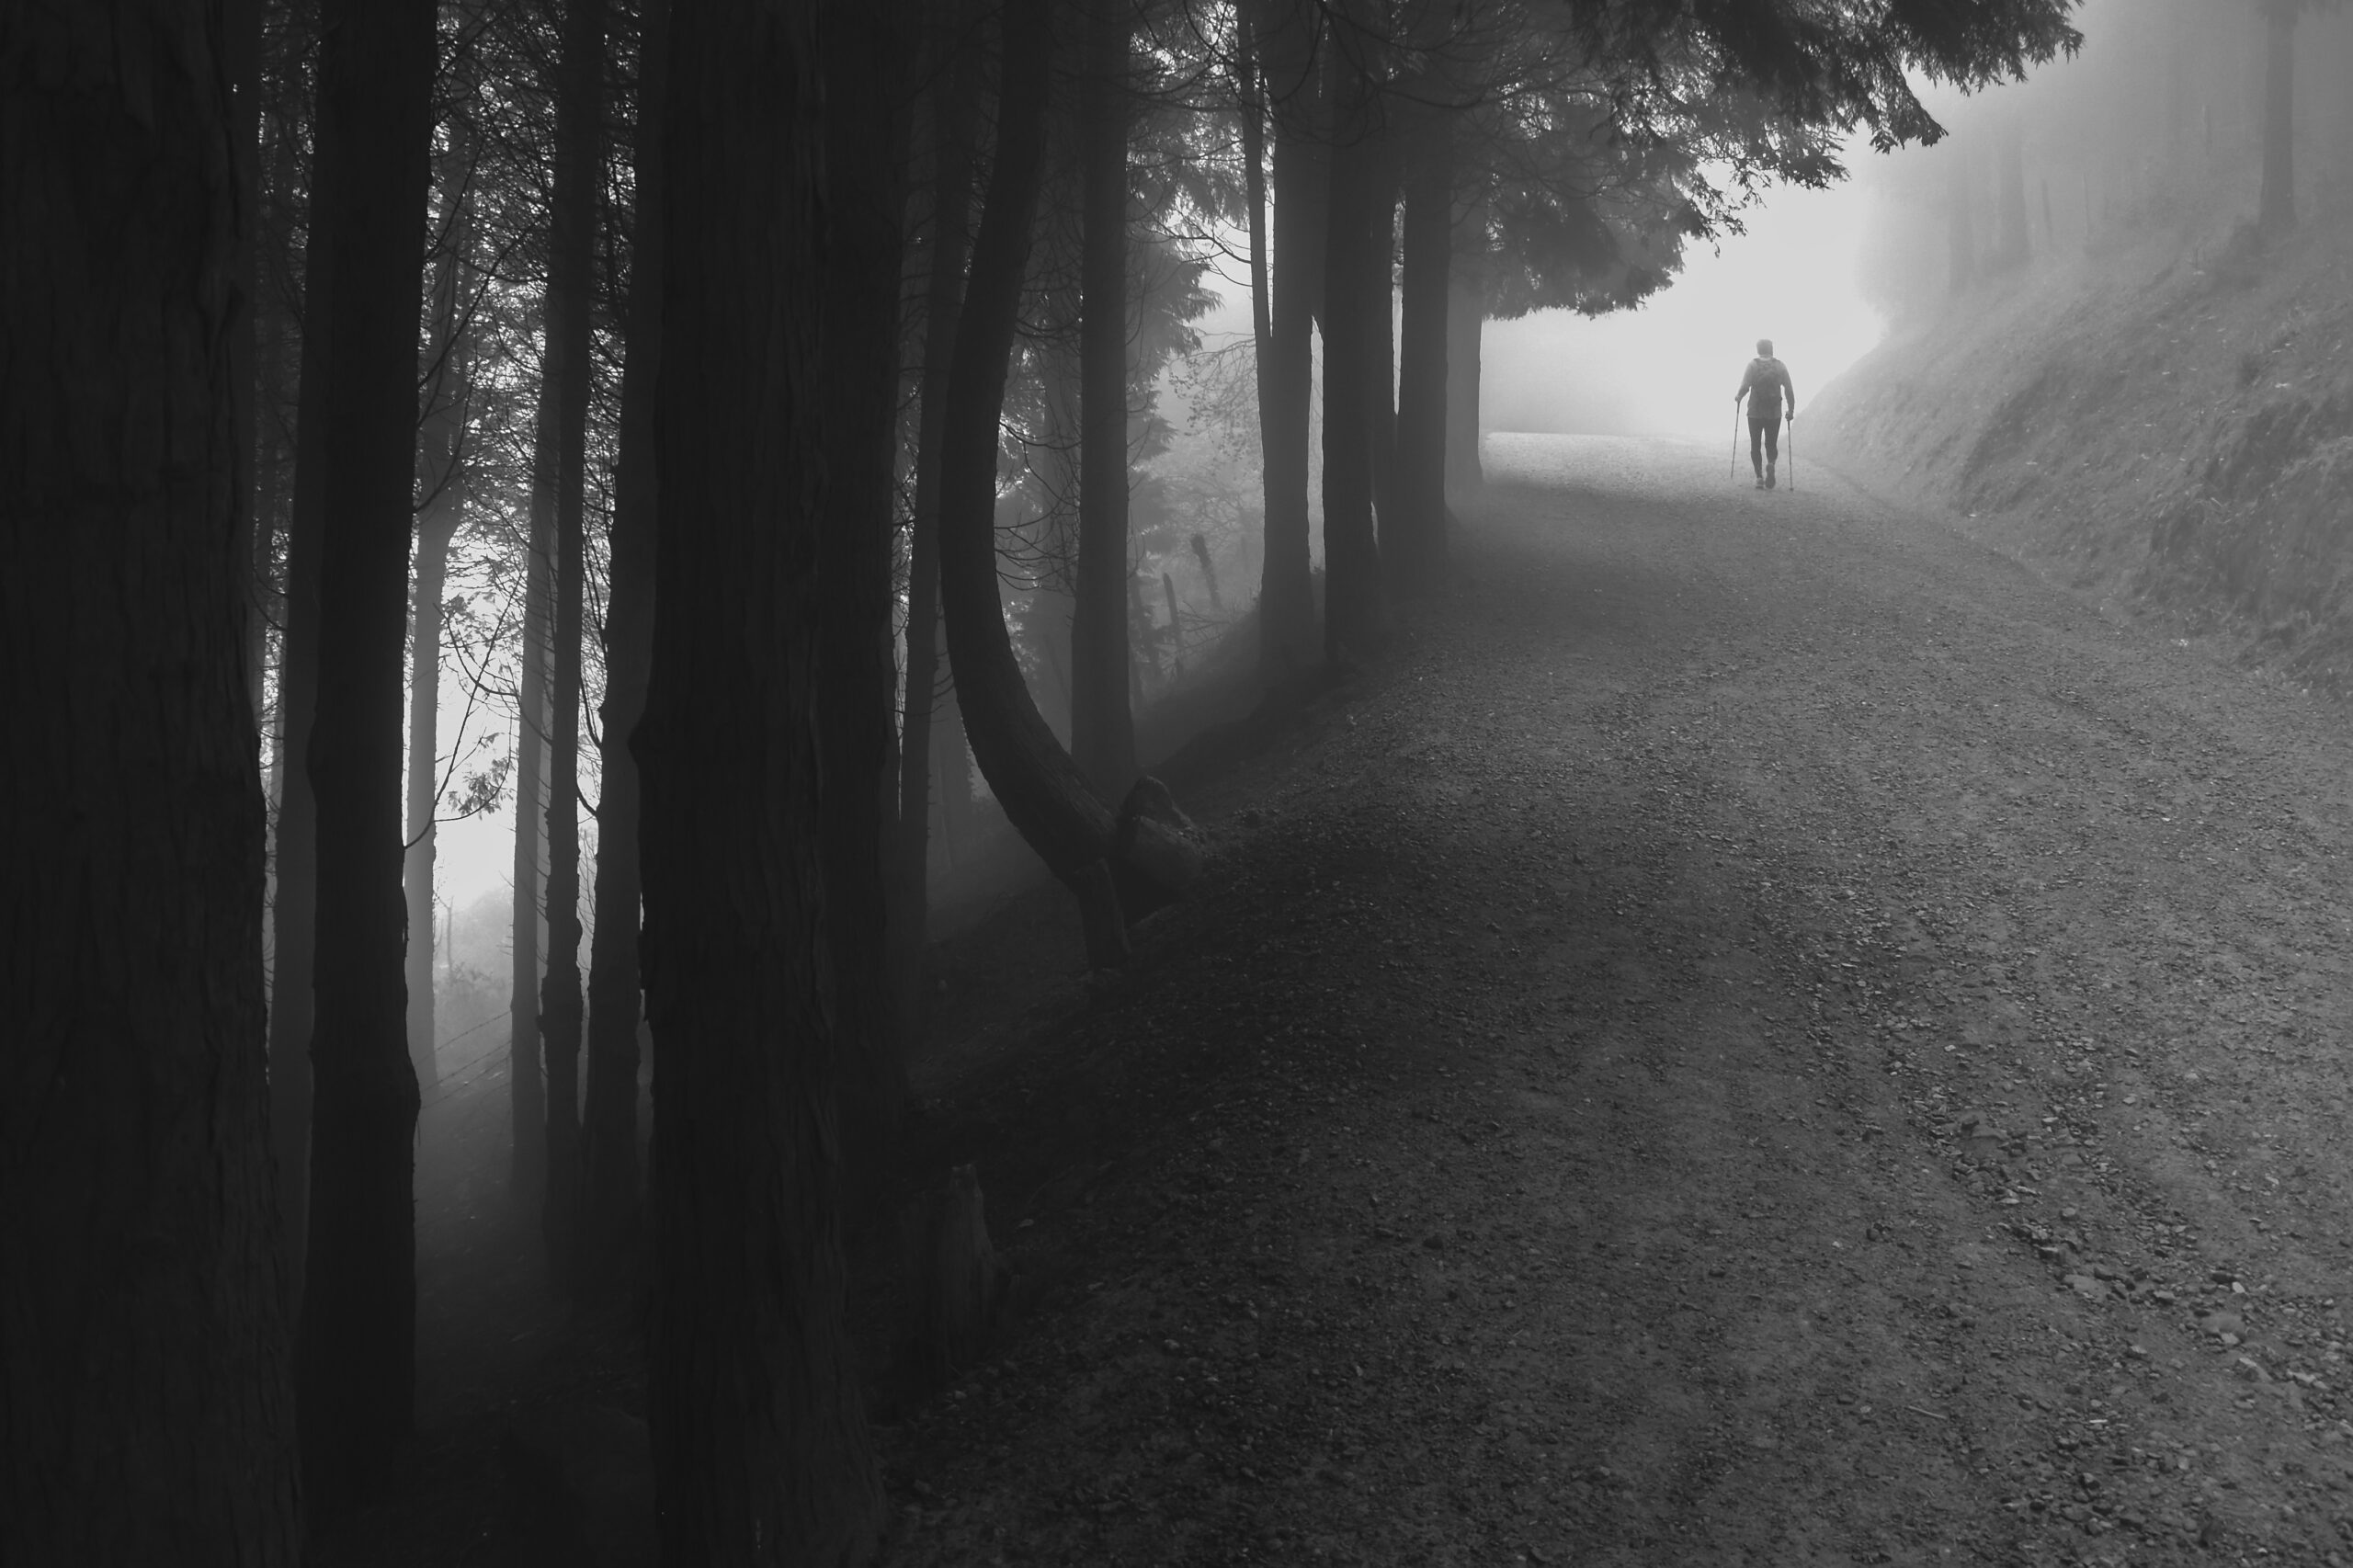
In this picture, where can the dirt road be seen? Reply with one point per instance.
(1767, 1034)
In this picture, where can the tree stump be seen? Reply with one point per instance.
(956, 1283)
(1158, 857)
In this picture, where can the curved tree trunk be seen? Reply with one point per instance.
(761, 1452)
(1102, 726)
(1416, 544)
(865, 240)
(609, 1118)
(1285, 593)
(571, 256)
(142, 1342)
(356, 1352)
(1042, 793)
(951, 218)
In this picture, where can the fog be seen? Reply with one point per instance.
(1670, 367)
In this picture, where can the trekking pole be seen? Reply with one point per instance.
(1793, 454)
(1733, 471)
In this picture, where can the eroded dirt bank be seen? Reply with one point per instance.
(1767, 1034)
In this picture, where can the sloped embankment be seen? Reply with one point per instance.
(2169, 427)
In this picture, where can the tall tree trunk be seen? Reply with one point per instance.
(1102, 731)
(866, 135)
(1417, 545)
(1354, 621)
(1466, 315)
(579, 161)
(1251, 100)
(241, 40)
(609, 1119)
(526, 1094)
(356, 1360)
(1041, 791)
(142, 1342)
(761, 1451)
(1286, 593)
(440, 443)
(1380, 324)
(2277, 214)
(951, 218)
(294, 912)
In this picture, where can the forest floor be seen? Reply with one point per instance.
(1765, 1032)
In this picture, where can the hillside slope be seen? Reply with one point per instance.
(2167, 425)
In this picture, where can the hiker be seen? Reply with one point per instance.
(1766, 385)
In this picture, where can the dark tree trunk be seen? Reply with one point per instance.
(609, 1119)
(1354, 621)
(866, 135)
(579, 160)
(356, 1361)
(1466, 315)
(1286, 593)
(1415, 546)
(2277, 214)
(1102, 727)
(527, 1096)
(1042, 793)
(1380, 324)
(441, 513)
(761, 1451)
(951, 217)
(142, 1342)
(1251, 99)
(294, 913)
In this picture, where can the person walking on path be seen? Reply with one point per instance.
(1767, 387)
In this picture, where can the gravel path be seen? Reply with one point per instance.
(1766, 1033)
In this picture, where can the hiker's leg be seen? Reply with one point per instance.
(1773, 439)
(1757, 446)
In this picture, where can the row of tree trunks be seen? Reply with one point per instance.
(761, 1450)
(354, 1359)
(610, 1206)
(1102, 723)
(144, 1393)
(924, 723)
(1414, 543)
(579, 160)
(866, 130)
(1287, 594)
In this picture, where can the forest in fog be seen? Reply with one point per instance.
(748, 443)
